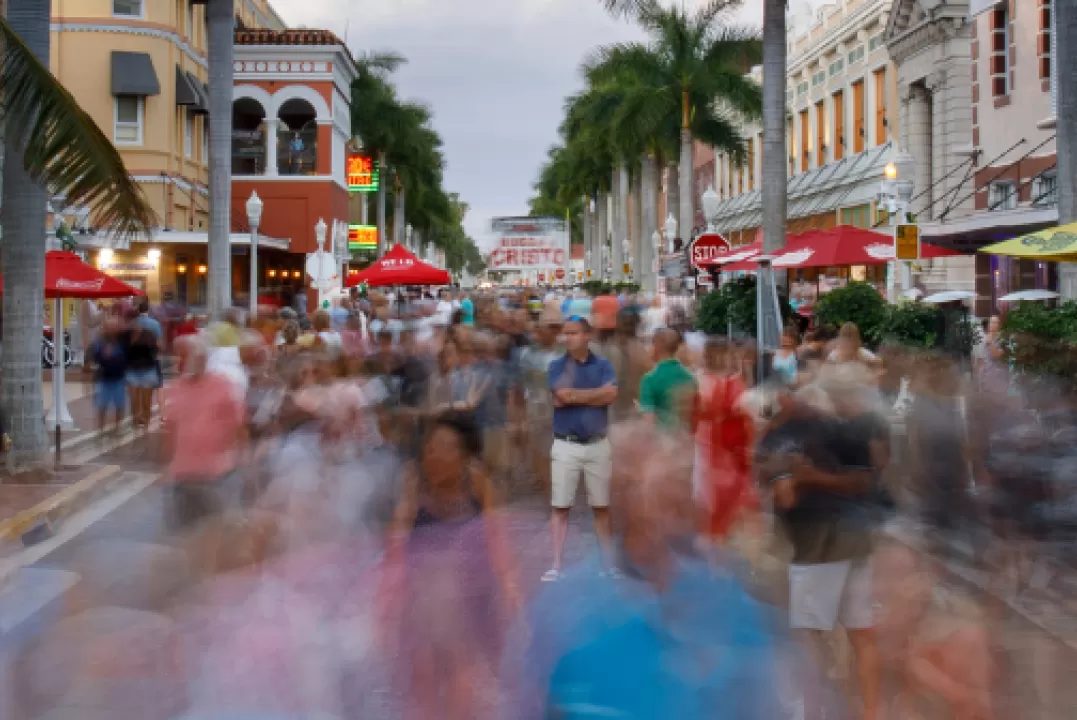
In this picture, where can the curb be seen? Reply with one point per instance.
(68, 500)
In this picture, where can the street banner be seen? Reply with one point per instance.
(528, 243)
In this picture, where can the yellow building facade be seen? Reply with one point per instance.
(139, 68)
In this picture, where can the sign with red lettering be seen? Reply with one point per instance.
(559, 273)
(362, 172)
(362, 237)
(529, 243)
(707, 248)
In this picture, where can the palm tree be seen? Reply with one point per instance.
(52, 147)
(220, 32)
(374, 110)
(773, 161)
(690, 72)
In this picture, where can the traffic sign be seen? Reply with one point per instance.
(590, 273)
(707, 248)
(559, 273)
(907, 242)
(628, 269)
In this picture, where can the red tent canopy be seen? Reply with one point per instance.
(399, 267)
(844, 245)
(66, 275)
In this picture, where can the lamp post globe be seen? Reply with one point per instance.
(671, 230)
(254, 219)
(710, 206)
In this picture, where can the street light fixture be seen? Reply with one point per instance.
(710, 207)
(254, 219)
(671, 231)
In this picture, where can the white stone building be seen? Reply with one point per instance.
(841, 123)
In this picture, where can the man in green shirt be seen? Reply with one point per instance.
(667, 392)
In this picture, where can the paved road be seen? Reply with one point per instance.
(1033, 671)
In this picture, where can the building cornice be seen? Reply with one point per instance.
(850, 25)
(943, 26)
(158, 32)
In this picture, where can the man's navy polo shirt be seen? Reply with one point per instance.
(582, 421)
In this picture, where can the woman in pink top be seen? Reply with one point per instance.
(204, 428)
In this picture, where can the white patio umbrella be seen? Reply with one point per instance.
(949, 296)
(1029, 295)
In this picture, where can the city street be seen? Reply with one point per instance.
(107, 556)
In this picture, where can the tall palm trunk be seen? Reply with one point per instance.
(398, 215)
(620, 223)
(588, 233)
(673, 200)
(1065, 24)
(599, 255)
(774, 172)
(649, 205)
(22, 263)
(686, 218)
(635, 236)
(220, 23)
(381, 205)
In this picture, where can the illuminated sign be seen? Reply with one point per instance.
(362, 237)
(362, 172)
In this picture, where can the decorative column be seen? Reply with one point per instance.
(270, 140)
(916, 128)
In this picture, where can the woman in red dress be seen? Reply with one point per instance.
(728, 453)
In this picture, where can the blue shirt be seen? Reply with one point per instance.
(701, 648)
(149, 324)
(583, 421)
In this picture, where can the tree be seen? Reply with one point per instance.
(52, 147)
(690, 75)
(220, 32)
(374, 111)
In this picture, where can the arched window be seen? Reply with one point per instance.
(248, 137)
(297, 140)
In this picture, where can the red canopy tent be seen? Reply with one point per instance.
(399, 267)
(66, 275)
(844, 245)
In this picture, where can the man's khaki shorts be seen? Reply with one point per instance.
(569, 460)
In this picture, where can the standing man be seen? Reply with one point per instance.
(667, 392)
(583, 387)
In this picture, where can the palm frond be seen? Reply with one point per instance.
(380, 62)
(65, 151)
(715, 10)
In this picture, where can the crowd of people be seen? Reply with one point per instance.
(344, 492)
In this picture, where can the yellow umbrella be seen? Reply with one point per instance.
(1053, 245)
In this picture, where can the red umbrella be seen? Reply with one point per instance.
(66, 275)
(400, 267)
(843, 246)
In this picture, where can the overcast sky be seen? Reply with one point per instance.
(494, 72)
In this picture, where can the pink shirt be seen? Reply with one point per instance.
(205, 417)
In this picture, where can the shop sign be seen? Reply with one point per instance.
(362, 173)
(362, 237)
(527, 243)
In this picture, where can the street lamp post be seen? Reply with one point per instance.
(254, 219)
(671, 232)
(896, 195)
(710, 208)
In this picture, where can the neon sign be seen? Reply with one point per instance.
(362, 172)
(362, 237)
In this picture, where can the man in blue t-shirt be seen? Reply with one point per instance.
(583, 387)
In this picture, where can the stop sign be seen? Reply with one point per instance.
(559, 273)
(707, 248)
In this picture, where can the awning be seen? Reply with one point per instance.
(202, 90)
(133, 74)
(189, 90)
(1057, 244)
(182, 237)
